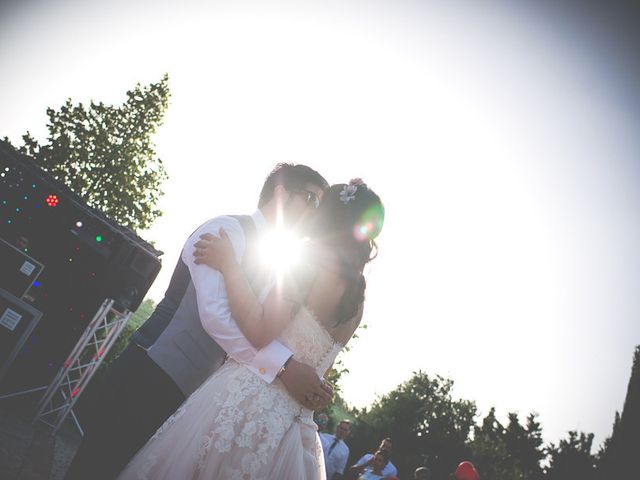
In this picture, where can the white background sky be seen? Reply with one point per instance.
(502, 139)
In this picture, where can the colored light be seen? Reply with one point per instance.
(98, 238)
(36, 284)
(370, 223)
(79, 224)
(52, 200)
(17, 209)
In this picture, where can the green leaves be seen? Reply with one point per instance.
(427, 425)
(105, 153)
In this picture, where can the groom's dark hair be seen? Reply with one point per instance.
(291, 177)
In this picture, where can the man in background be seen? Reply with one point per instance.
(336, 451)
(366, 460)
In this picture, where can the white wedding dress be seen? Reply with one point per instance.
(236, 426)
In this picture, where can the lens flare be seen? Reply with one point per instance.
(280, 250)
(370, 223)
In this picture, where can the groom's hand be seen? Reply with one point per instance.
(303, 384)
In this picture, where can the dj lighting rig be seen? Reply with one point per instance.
(69, 279)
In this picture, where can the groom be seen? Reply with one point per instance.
(191, 332)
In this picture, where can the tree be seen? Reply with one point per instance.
(426, 424)
(618, 455)
(510, 453)
(524, 447)
(572, 458)
(104, 153)
(489, 449)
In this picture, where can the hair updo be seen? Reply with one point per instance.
(347, 221)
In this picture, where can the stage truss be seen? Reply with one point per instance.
(83, 362)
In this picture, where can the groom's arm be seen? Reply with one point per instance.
(214, 310)
(300, 379)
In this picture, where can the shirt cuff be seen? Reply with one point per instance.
(269, 360)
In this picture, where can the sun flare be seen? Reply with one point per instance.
(280, 250)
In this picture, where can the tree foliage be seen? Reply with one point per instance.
(427, 425)
(572, 458)
(105, 154)
(618, 455)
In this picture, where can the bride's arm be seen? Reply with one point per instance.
(259, 322)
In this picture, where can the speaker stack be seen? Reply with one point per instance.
(61, 258)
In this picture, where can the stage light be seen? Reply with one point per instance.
(52, 200)
(79, 224)
(98, 238)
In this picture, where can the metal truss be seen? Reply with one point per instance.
(78, 369)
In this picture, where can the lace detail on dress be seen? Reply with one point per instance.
(251, 418)
(235, 426)
(310, 342)
(170, 421)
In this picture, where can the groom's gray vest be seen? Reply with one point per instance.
(173, 335)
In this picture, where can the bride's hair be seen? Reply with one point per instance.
(348, 220)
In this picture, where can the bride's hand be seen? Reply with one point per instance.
(215, 252)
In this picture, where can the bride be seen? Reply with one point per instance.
(236, 426)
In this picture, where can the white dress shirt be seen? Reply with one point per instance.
(213, 302)
(389, 469)
(336, 462)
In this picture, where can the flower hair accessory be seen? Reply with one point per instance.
(348, 193)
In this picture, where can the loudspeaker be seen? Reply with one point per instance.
(19, 270)
(83, 256)
(17, 321)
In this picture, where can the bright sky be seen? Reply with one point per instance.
(503, 141)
